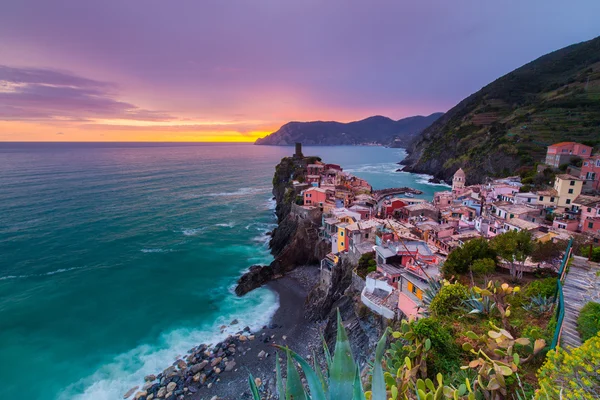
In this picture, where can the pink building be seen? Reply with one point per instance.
(590, 173)
(458, 182)
(442, 200)
(315, 169)
(562, 153)
(392, 205)
(570, 225)
(316, 197)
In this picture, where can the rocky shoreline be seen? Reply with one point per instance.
(220, 371)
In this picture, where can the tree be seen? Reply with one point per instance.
(514, 247)
(547, 251)
(482, 266)
(366, 264)
(460, 259)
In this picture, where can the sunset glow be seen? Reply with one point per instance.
(211, 71)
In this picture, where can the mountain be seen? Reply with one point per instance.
(377, 129)
(508, 124)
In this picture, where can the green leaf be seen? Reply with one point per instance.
(429, 384)
(253, 388)
(342, 369)
(317, 369)
(516, 359)
(462, 389)
(427, 344)
(358, 392)
(314, 383)
(294, 389)
(327, 353)
(378, 383)
(467, 346)
(472, 335)
(280, 390)
(504, 370)
(421, 384)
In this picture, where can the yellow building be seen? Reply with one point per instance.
(547, 198)
(342, 238)
(568, 187)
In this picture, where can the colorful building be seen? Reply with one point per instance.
(316, 197)
(564, 152)
(458, 182)
(590, 173)
(568, 188)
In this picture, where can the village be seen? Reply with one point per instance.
(410, 238)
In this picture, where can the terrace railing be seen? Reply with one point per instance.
(559, 297)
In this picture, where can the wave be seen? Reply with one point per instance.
(241, 192)
(127, 370)
(192, 231)
(156, 250)
(227, 225)
(58, 271)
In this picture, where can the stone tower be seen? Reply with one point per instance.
(458, 182)
(298, 153)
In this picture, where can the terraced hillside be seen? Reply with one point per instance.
(508, 124)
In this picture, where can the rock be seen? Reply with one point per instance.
(217, 370)
(234, 322)
(181, 364)
(284, 337)
(196, 377)
(209, 386)
(214, 398)
(141, 394)
(150, 396)
(256, 276)
(216, 361)
(169, 395)
(247, 329)
(150, 378)
(243, 338)
(229, 366)
(130, 392)
(147, 386)
(161, 392)
(198, 367)
(251, 337)
(261, 354)
(169, 372)
(171, 386)
(257, 382)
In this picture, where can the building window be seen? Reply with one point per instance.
(585, 164)
(529, 200)
(366, 235)
(342, 233)
(568, 201)
(342, 244)
(570, 191)
(541, 198)
(590, 225)
(589, 209)
(572, 183)
(551, 199)
(597, 163)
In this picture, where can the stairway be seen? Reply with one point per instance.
(581, 286)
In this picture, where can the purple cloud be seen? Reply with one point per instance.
(45, 94)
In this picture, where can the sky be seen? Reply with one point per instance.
(235, 70)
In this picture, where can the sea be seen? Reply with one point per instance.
(116, 258)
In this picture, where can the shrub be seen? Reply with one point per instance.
(448, 299)
(571, 374)
(462, 258)
(588, 322)
(596, 254)
(543, 287)
(539, 305)
(444, 357)
(483, 266)
(366, 264)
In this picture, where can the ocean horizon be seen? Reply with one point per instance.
(118, 257)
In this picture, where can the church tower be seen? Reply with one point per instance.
(458, 182)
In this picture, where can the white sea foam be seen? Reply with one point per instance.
(127, 370)
(241, 192)
(192, 231)
(156, 250)
(227, 225)
(58, 271)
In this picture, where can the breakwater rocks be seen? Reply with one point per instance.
(203, 367)
(256, 276)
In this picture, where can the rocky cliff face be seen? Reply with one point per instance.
(295, 241)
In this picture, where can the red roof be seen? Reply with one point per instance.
(561, 144)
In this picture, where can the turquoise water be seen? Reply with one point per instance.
(117, 258)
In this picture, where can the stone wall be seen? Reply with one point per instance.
(358, 283)
(313, 214)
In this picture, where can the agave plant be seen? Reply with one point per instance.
(478, 305)
(341, 379)
(433, 287)
(539, 304)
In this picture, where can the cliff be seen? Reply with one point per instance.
(508, 124)
(377, 129)
(295, 241)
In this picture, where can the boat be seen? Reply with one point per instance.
(408, 194)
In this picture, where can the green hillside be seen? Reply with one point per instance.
(508, 124)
